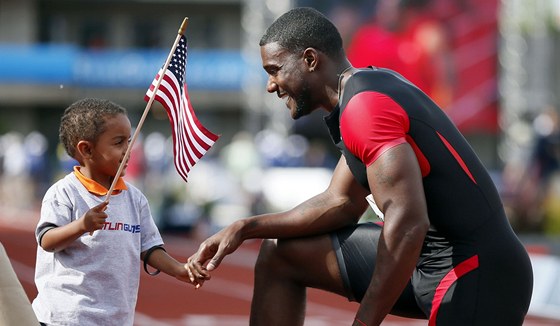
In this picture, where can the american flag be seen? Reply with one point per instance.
(191, 140)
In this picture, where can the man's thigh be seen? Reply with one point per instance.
(312, 262)
(356, 249)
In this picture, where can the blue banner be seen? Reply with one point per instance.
(58, 64)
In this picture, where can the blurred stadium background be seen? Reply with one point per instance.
(497, 77)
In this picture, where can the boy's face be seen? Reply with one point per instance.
(110, 147)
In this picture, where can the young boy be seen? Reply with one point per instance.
(85, 277)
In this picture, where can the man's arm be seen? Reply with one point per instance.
(342, 203)
(396, 183)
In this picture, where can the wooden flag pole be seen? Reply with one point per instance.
(180, 33)
(147, 109)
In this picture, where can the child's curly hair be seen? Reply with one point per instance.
(85, 120)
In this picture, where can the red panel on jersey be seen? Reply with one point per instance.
(372, 123)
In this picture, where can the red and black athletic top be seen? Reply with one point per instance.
(379, 110)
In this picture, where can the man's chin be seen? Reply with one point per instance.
(298, 113)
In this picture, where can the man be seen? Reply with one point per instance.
(446, 251)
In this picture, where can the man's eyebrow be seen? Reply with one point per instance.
(272, 66)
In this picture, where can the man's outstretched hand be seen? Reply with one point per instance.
(211, 252)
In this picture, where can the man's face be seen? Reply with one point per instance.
(286, 77)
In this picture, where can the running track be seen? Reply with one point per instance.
(164, 301)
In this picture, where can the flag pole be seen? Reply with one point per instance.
(147, 109)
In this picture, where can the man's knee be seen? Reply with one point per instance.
(268, 253)
(273, 256)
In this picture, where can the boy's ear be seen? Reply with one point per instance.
(84, 148)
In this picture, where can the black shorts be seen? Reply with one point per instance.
(486, 281)
(356, 251)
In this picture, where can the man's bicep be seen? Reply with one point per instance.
(396, 182)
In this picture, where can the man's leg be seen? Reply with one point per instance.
(284, 269)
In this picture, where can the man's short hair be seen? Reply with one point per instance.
(85, 120)
(301, 28)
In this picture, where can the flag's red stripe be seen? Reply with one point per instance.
(185, 139)
(201, 147)
(177, 143)
(213, 137)
(170, 88)
(191, 152)
(178, 133)
(186, 148)
(175, 116)
(195, 127)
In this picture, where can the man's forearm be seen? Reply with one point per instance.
(317, 215)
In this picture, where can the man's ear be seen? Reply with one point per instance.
(310, 57)
(84, 148)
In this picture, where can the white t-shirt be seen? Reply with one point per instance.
(94, 281)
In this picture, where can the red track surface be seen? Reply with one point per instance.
(164, 301)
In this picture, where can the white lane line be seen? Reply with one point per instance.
(233, 320)
(141, 319)
(194, 320)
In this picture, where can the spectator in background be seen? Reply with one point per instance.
(535, 198)
(15, 189)
(547, 162)
(405, 37)
(35, 146)
(348, 16)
